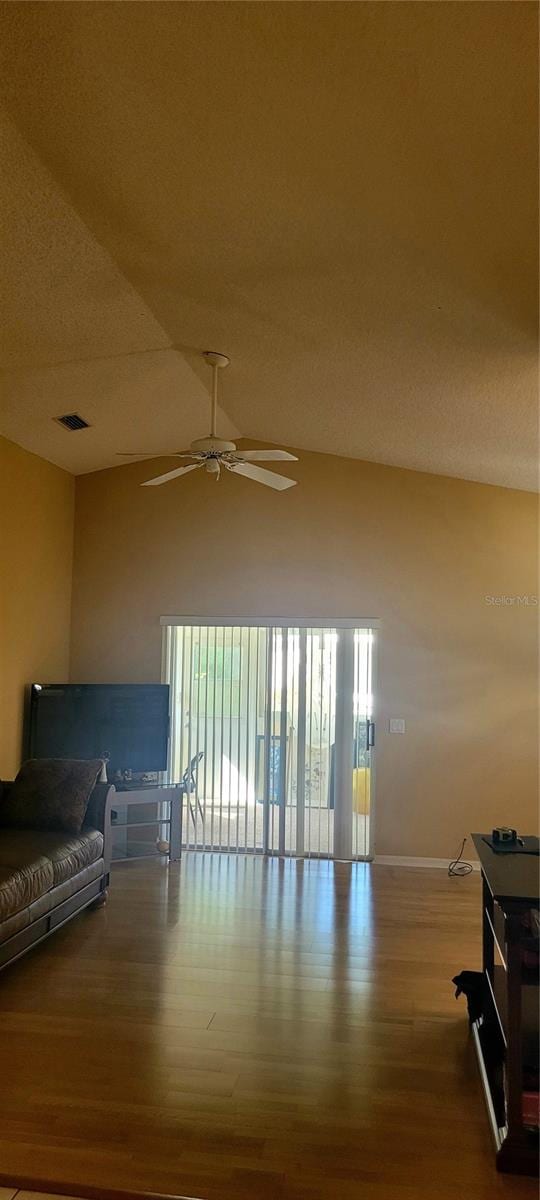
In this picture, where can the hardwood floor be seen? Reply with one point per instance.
(234, 1028)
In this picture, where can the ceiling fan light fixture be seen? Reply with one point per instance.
(213, 452)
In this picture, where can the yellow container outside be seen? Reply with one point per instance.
(361, 791)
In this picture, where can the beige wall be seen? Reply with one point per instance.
(419, 552)
(36, 541)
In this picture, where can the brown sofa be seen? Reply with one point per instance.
(48, 876)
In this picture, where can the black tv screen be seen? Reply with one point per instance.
(125, 723)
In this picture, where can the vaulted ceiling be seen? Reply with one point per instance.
(341, 197)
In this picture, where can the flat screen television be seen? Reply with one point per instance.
(125, 723)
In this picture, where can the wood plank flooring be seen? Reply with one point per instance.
(233, 1027)
(20, 1194)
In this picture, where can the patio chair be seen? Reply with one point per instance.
(189, 785)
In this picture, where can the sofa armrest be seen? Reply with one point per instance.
(98, 816)
(5, 789)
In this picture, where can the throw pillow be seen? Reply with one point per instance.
(50, 793)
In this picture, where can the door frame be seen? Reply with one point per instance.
(372, 623)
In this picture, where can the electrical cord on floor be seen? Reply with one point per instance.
(458, 866)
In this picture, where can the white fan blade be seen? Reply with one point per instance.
(265, 456)
(269, 478)
(171, 475)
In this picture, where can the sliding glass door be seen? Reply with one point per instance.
(272, 735)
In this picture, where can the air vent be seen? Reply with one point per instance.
(72, 421)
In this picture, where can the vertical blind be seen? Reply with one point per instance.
(271, 728)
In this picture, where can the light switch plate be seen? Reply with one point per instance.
(397, 725)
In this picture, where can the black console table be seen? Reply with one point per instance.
(507, 1035)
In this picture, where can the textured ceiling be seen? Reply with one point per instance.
(73, 332)
(342, 197)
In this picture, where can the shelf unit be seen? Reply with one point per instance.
(506, 1036)
(165, 813)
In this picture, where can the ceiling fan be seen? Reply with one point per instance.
(213, 453)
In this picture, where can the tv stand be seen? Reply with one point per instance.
(165, 817)
(506, 1036)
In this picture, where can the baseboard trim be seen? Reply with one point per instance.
(52, 1188)
(398, 860)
